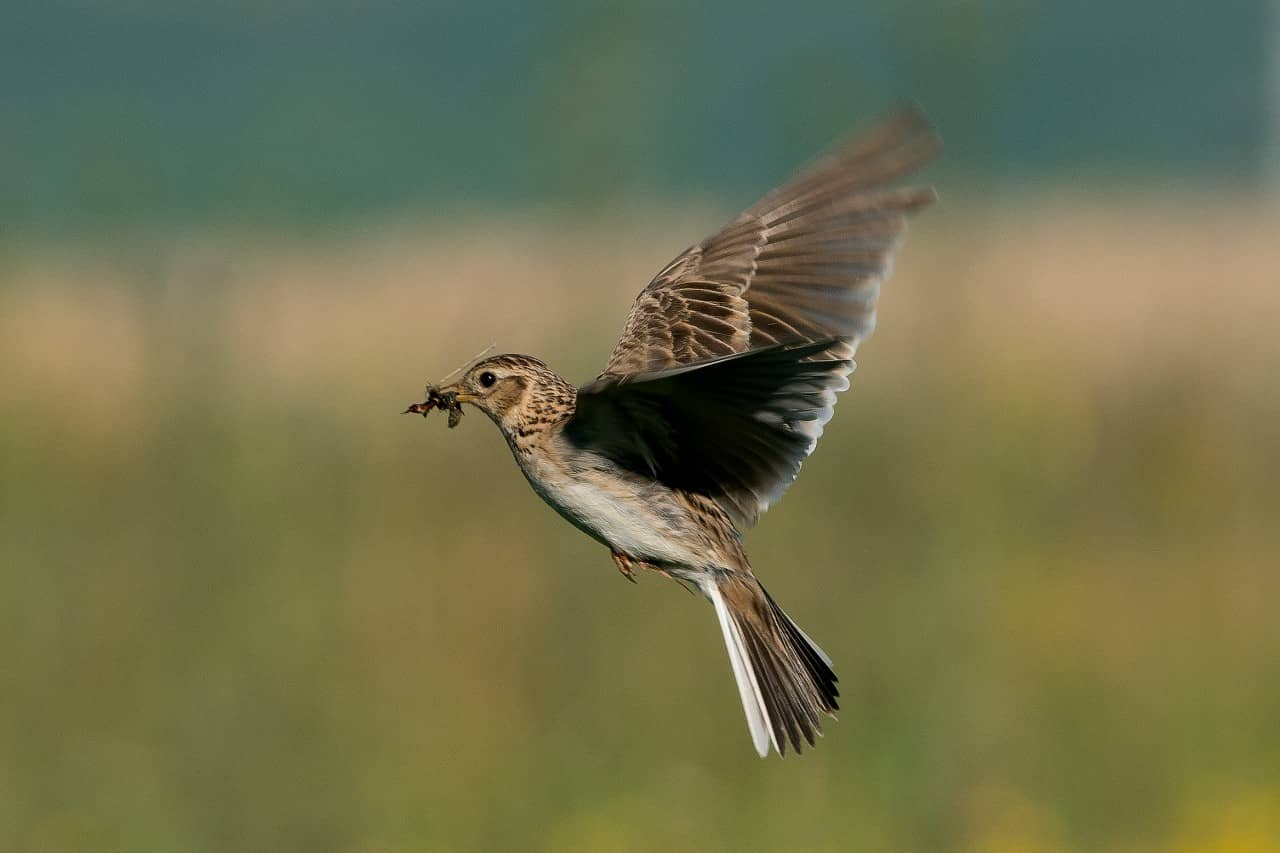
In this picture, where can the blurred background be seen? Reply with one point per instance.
(244, 605)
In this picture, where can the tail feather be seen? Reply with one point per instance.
(748, 690)
(784, 679)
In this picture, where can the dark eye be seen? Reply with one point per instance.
(487, 379)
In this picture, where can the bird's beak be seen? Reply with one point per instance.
(450, 392)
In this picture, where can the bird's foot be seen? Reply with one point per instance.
(628, 565)
(625, 565)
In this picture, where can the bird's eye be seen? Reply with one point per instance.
(487, 379)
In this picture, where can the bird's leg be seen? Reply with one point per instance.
(625, 565)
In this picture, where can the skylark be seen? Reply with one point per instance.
(727, 371)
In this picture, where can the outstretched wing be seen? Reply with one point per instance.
(804, 263)
(736, 428)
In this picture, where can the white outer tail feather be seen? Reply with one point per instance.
(748, 688)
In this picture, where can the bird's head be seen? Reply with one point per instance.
(517, 392)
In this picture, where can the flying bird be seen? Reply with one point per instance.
(726, 373)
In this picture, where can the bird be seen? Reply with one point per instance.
(719, 388)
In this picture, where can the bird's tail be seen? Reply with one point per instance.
(785, 680)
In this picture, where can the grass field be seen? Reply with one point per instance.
(247, 606)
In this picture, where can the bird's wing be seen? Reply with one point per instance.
(804, 263)
(735, 428)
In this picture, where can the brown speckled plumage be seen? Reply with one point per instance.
(726, 372)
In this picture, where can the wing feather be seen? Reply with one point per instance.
(736, 428)
(803, 263)
(731, 358)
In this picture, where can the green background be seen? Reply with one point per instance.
(246, 606)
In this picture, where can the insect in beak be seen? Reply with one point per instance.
(446, 401)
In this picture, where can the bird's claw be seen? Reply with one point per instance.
(625, 565)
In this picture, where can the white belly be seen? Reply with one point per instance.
(639, 525)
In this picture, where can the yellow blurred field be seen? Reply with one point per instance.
(248, 606)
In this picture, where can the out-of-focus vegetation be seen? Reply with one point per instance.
(128, 111)
(244, 605)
